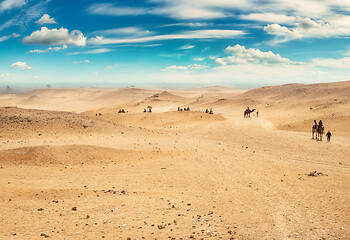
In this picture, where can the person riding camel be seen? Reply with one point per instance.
(315, 124)
(320, 123)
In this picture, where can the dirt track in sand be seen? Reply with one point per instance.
(173, 175)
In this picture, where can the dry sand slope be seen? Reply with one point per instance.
(175, 175)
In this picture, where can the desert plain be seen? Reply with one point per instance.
(72, 167)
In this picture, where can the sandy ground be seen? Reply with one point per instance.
(66, 173)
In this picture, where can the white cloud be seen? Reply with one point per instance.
(343, 63)
(197, 66)
(48, 49)
(4, 38)
(11, 4)
(241, 55)
(199, 34)
(310, 28)
(198, 59)
(78, 62)
(4, 75)
(21, 65)
(55, 36)
(186, 47)
(174, 68)
(45, 19)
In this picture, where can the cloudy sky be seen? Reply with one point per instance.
(167, 43)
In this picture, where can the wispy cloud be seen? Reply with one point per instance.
(186, 47)
(189, 24)
(199, 34)
(111, 67)
(7, 24)
(93, 51)
(126, 31)
(175, 68)
(48, 49)
(4, 38)
(115, 10)
(11, 4)
(78, 62)
(198, 59)
(269, 17)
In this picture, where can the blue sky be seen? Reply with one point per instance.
(166, 43)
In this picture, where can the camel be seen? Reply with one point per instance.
(320, 132)
(247, 112)
(314, 131)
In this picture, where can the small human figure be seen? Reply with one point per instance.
(248, 108)
(211, 111)
(188, 108)
(100, 114)
(315, 124)
(206, 110)
(144, 110)
(150, 110)
(320, 123)
(96, 114)
(257, 113)
(178, 108)
(328, 134)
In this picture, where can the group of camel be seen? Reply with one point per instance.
(149, 108)
(319, 130)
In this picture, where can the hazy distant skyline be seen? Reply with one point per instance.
(165, 43)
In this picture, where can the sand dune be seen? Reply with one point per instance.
(66, 173)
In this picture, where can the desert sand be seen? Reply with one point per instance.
(66, 173)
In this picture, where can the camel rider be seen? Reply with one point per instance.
(320, 123)
(315, 124)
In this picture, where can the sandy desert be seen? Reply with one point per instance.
(72, 167)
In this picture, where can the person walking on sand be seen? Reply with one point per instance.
(257, 113)
(328, 134)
